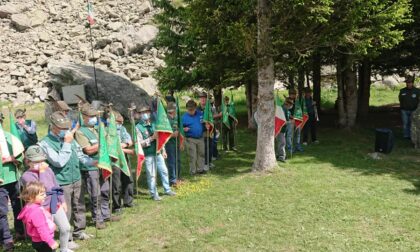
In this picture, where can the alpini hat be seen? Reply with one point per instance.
(60, 120)
(35, 154)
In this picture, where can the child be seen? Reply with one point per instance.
(38, 221)
(54, 202)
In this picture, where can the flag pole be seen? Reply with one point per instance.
(133, 126)
(234, 125)
(176, 140)
(93, 52)
(208, 136)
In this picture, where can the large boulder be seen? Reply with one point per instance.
(112, 88)
(136, 40)
(147, 84)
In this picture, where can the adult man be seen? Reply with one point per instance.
(281, 138)
(172, 147)
(154, 161)
(229, 132)
(192, 121)
(65, 156)
(9, 186)
(409, 99)
(122, 185)
(26, 128)
(87, 137)
(208, 136)
(310, 125)
(291, 131)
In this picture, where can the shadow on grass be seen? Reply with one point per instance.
(349, 150)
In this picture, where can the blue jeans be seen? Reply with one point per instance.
(173, 161)
(292, 134)
(154, 163)
(406, 119)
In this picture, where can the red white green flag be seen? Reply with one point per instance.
(305, 116)
(280, 118)
(90, 12)
(138, 149)
(163, 127)
(298, 114)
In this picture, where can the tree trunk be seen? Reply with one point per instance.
(291, 77)
(301, 80)
(265, 158)
(347, 92)
(217, 97)
(365, 72)
(251, 91)
(317, 80)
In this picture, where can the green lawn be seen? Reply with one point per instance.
(332, 197)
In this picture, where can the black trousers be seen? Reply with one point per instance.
(122, 189)
(310, 126)
(42, 247)
(13, 191)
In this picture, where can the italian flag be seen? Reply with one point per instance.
(90, 12)
(280, 118)
(163, 127)
(298, 115)
(305, 116)
(138, 149)
(104, 161)
(16, 141)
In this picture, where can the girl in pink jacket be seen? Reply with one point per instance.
(39, 224)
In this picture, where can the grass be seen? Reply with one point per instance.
(332, 197)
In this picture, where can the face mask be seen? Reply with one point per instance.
(92, 121)
(62, 133)
(145, 117)
(38, 166)
(119, 126)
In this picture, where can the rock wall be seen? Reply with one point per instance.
(34, 33)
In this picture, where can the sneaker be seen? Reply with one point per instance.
(72, 246)
(156, 198)
(117, 211)
(100, 225)
(170, 193)
(234, 149)
(129, 205)
(282, 160)
(113, 218)
(82, 236)
(305, 143)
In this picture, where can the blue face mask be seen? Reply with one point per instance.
(92, 121)
(62, 133)
(145, 117)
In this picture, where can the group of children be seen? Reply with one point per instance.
(289, 139)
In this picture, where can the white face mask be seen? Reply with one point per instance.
(37, 166)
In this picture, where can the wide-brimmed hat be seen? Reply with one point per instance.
(143, 109)
(60, 120)
(20, 113)
(63, 106)
(202, 94)
(88, 110)
(35, 154)
(171, 107)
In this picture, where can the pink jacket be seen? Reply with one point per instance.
(38, 222)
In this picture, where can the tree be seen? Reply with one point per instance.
(265, 158)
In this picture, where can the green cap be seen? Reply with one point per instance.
(60, 120)
(35, 154)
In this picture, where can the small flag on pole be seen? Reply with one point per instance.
(90, 12)
(104, 161)
(280, 118)
(163, 127)
(139, 151)
(208, 116)
(298, 114)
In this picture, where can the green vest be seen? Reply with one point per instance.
(146, 132)
(9, 172)
(92, 140)
(26, 138)
(70, 173)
